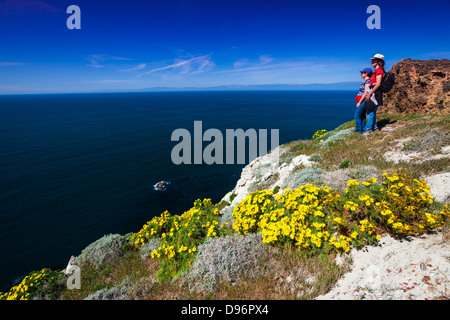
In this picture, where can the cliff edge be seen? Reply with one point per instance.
(422, 86)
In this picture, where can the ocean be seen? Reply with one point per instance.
(75, 167)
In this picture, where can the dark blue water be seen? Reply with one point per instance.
(74, 167)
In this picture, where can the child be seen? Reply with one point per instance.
(360, 115)
(375, 97)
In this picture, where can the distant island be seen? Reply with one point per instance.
(349, 85)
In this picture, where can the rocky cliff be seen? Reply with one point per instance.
(393, 269)
(422, 86)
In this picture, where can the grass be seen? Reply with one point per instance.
(427, 133)
(285, 274)
(129, 268)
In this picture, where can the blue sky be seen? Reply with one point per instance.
(127, 45)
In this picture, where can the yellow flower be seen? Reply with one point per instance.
(352, 183)
(338, 220)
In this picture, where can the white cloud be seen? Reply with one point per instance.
(12, 64)
(186, 66)
(95, 65)
(265, 69)
(247, 63)
(14, 7)
(138, 67)
(10, 88)
(95, 59)
(111, 81)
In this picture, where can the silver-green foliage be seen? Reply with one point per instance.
(227, 217)
(102, 252)
(225, 258)
(147, 248)
(333, 137)
(114, 293)
(303, 176)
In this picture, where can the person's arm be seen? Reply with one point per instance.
(366, 91)
(377, 85)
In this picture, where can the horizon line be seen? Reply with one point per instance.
(225, 87)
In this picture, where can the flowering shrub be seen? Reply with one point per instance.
(33, 285)
(406, 206)
(303, 216)
(319, 133)
(180, 235)
(153, 229)
(319, 220)
(311, 218)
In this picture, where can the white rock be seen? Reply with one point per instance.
(439, 186)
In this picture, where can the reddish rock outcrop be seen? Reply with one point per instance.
(422, 86)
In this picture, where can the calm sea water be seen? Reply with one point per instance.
(74, 167)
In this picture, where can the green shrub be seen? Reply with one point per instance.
(147, 249)
(306, 175)
(224, 258)
(319, 133)
(41, 285)
(180, 235)
(226, 220)
(102, 252)
(337, 136)
(321, 221)
(114, 293)
(344, 164)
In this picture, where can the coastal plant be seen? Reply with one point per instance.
(406, 206)
(114, 293)
(224, 258)
(261, 170)
(321, 220)
(302, 176)
(313, 219)
(147, 249)
(337, 136)
(180, 236)
(344, 164)
(299, 217)
(45, 284)
(153, 229)
(319, 133)
(103, 251)
(316, 157)
(226, 220)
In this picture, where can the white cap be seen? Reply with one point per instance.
(378, 56)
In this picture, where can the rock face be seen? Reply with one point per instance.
(422, 86)
(394, 270)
